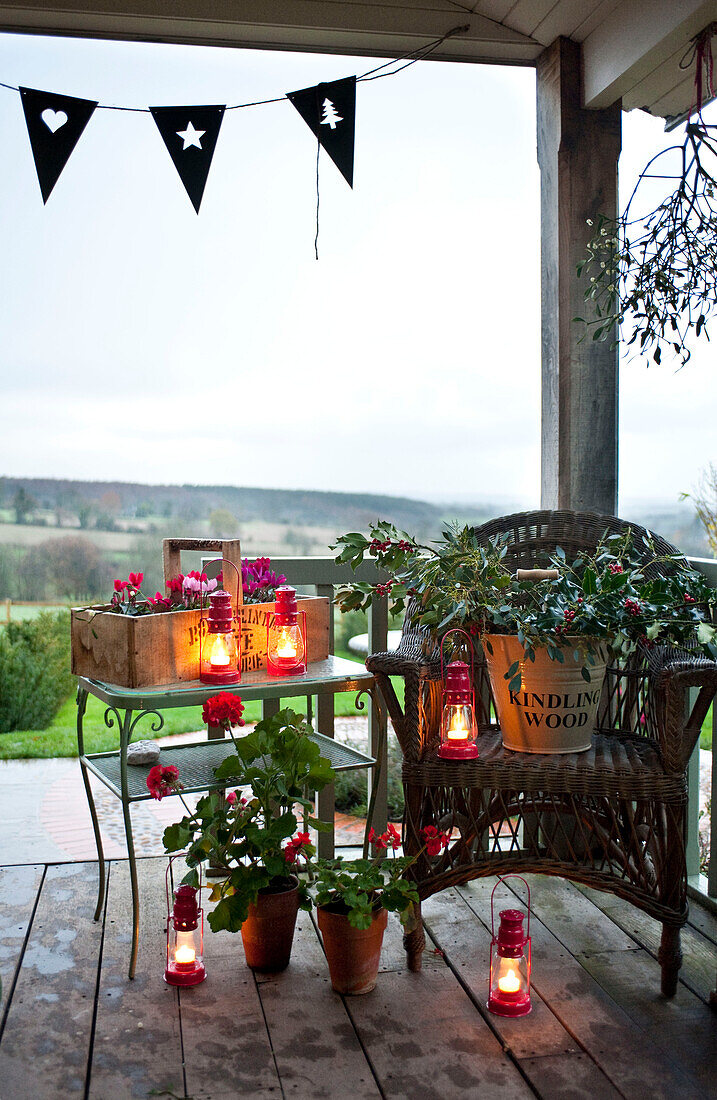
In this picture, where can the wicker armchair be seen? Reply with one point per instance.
(613, 817)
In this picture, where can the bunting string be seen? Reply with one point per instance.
(55, 123)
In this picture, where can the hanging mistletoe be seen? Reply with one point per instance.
(656, 272)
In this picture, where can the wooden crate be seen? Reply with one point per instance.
(152, 650)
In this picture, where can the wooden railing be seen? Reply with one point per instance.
(701, 886)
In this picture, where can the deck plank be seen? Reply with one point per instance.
(317, 1052)
(45, 1044)
(425, 1039)
(634, 1063)
(18, 893)
(137, 1046)
(698, 951)
(227, 1047)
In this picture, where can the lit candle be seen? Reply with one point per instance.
(286, 646)
(185, 955)
(509, 983)
(458, 731)
(220, 658)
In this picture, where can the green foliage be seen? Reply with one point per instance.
(283, 768)
(601, 597)
(34, 671)
(359, 886)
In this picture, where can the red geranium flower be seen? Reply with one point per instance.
(434, 840)
(223, 710)
(295, 846)
(163, 780)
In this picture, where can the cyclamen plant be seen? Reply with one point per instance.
(358, 887)
(259, 581)
(186, 593)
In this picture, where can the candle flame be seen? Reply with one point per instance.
(286, 645)
(509, 983)
(220, 656)
(457, 731)
(185, 954)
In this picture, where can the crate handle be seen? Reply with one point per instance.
(228, 548)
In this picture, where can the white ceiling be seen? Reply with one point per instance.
(631, 48)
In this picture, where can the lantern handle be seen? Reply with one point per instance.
(459, 630)
(226, 561)
(501, 880)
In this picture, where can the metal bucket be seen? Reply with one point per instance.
(554, 709)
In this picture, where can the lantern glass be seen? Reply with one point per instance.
(509, 982)
(459, 731)
(286, 647)
(185, 940)
(220, 661)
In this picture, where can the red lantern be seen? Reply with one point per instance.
(185, 937)
(218, 649)
(510, 965)
(286, 636)
(459, 729)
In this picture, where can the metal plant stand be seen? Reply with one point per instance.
(128, 707)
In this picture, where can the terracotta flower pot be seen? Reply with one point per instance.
(268, 931)
(353, 954)
(555, 708)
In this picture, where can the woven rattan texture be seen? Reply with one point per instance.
(612, 817)
(627, 767)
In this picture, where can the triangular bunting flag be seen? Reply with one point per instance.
(190, 134)
(329, 110)
(54, 124)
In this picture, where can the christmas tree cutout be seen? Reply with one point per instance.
(331, 115)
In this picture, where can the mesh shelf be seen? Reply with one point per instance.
(196, 763)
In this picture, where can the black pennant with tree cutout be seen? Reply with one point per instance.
(54, 124)
(329, 110)
(190, 134)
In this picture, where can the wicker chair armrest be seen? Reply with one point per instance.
(409, 720)
(672, 673)
(396, 664)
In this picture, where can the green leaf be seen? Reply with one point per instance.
(515, 683)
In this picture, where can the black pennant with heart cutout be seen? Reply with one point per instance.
(329, 110)
(190, 134)
(54, 124)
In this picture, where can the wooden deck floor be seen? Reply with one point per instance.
(73, 1025)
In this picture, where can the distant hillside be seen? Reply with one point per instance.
(338, 511)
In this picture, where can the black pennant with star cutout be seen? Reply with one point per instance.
(54, 124)
(329, 110)
(190, 134)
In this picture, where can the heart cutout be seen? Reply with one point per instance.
(53, 119)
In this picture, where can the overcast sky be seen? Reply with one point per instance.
(141, 342)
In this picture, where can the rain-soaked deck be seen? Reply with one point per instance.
(73, 1025)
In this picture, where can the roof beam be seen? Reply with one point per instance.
(633, 40)
(320, 26)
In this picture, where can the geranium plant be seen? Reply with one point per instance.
(223, 711)
(604, 596)
(278, 767)
(358, 887)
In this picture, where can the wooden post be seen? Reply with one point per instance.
(578, 151)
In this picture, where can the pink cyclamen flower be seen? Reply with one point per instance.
(135, 579)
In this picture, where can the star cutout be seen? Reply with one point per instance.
(190, 136)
